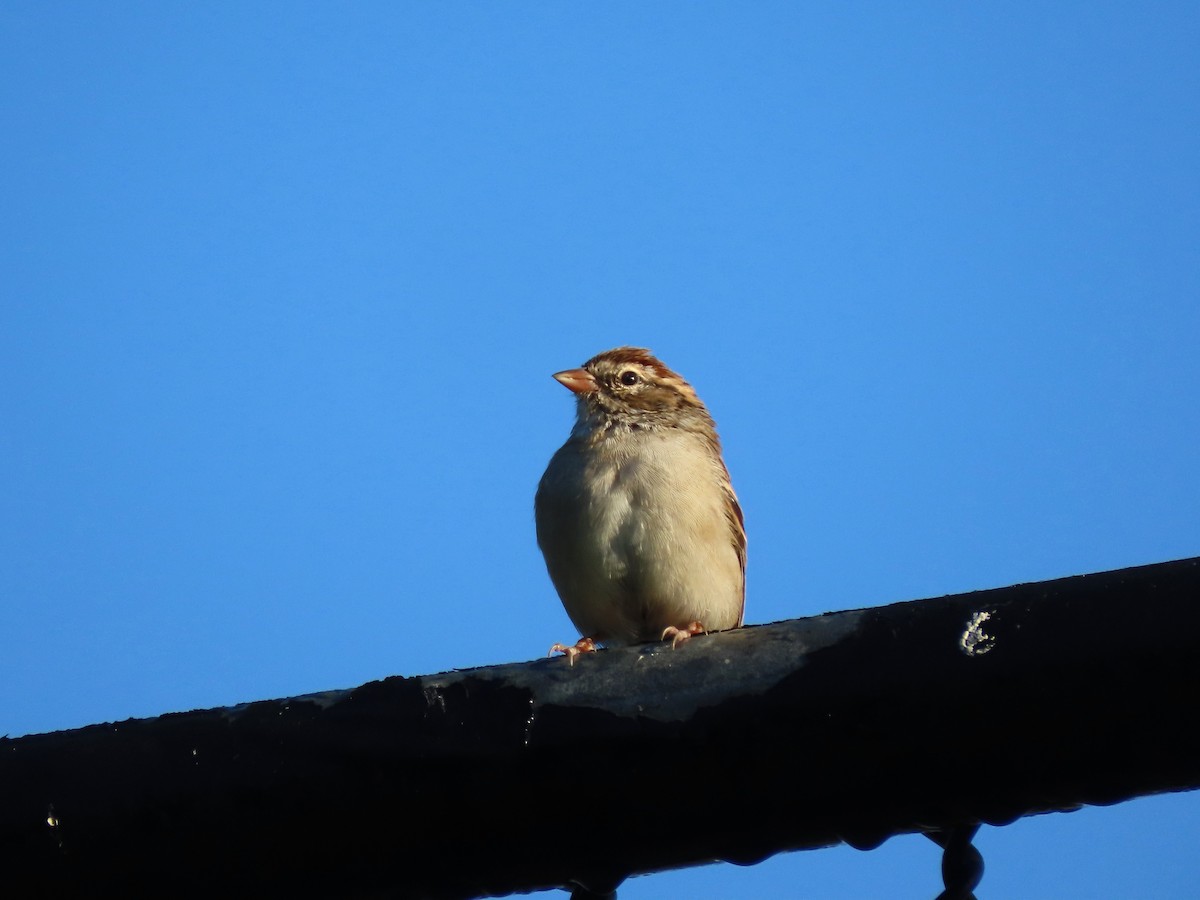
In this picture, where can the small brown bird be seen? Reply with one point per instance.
(636, 516)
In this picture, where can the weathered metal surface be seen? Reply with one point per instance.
(852, 726)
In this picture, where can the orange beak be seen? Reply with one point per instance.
(577, 381)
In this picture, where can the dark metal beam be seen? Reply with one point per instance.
(852, 726)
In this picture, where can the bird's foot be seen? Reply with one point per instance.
(679, 635)
(583, 645)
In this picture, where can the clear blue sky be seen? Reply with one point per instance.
(283, 284)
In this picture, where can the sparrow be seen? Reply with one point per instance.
(636, 515)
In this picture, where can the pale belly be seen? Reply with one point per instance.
(639, 543)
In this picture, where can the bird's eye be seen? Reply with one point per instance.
(629, 378)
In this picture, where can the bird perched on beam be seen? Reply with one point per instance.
(636, 516)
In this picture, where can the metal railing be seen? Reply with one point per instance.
(929, 716)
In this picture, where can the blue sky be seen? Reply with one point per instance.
(282, 286)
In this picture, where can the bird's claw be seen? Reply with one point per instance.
(583, 645)
(679, 635)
